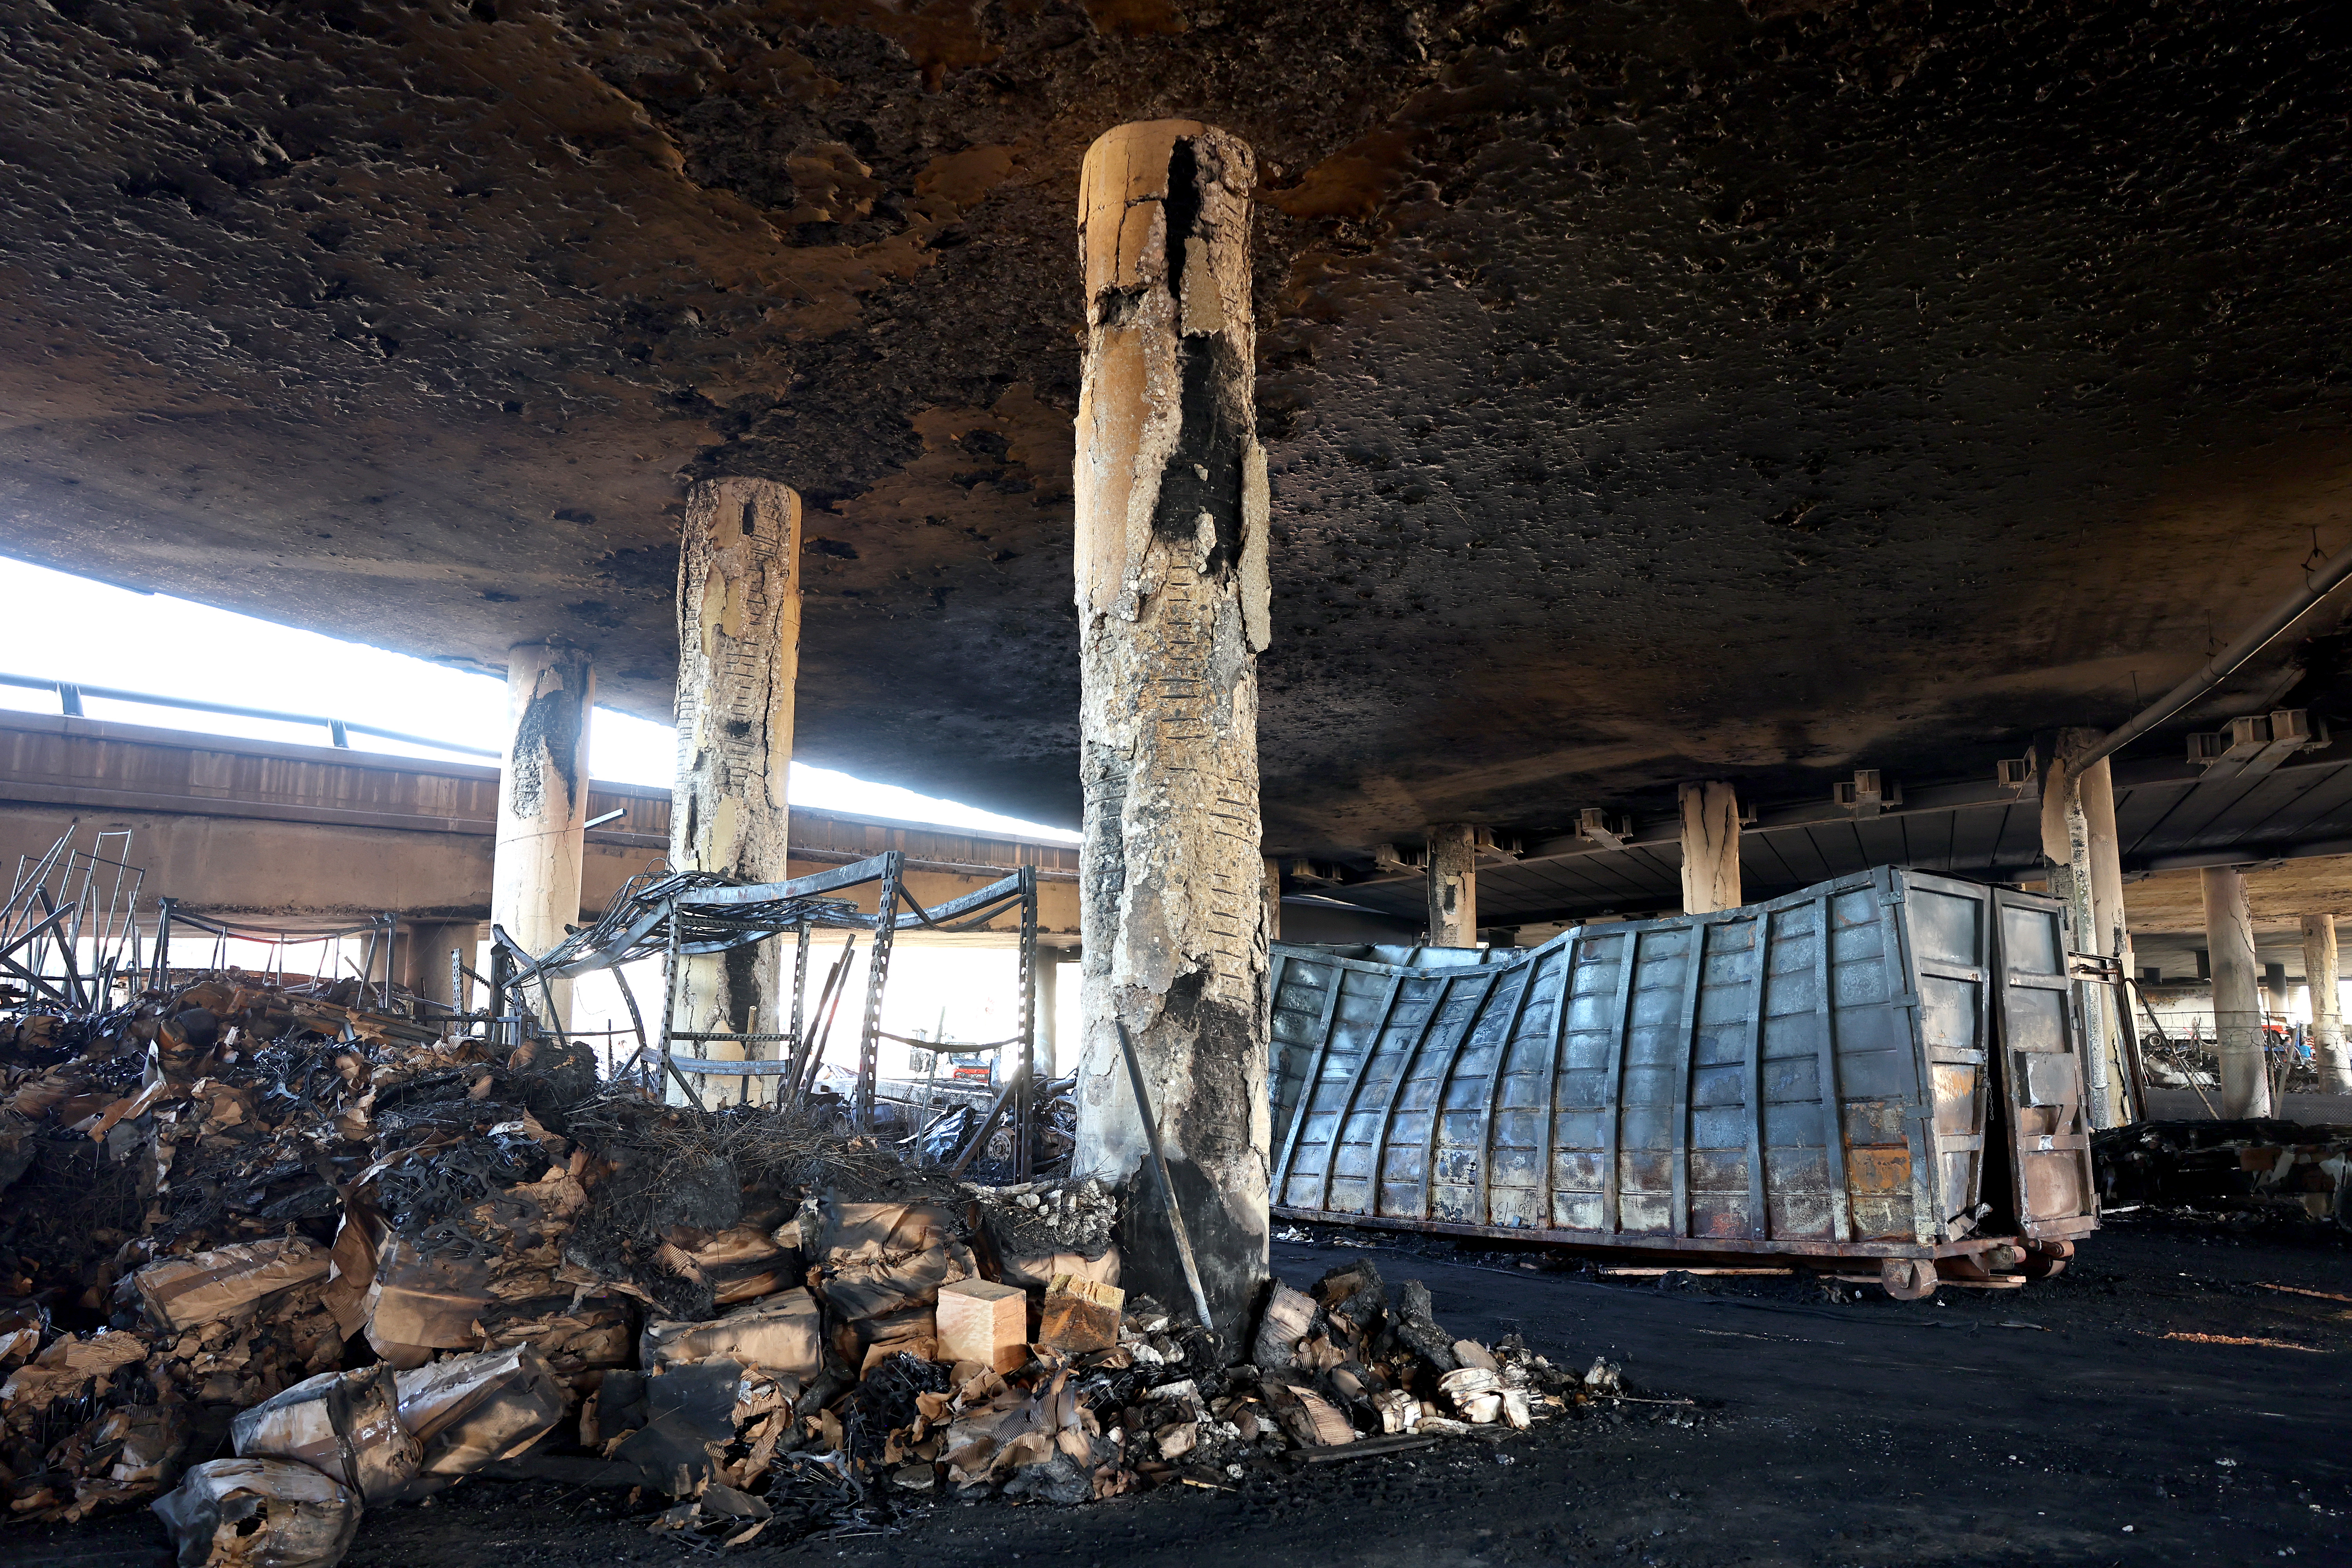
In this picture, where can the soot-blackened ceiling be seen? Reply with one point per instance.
(1653, 391)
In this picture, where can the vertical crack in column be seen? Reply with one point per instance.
(1170, 566)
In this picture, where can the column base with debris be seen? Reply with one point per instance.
(1172, 603)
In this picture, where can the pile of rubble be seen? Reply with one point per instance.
(2244, 1165)
(284, 1258)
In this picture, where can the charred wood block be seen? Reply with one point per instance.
(1081, 1315)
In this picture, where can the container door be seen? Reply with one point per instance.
(1951, 928)
(2040, 1075)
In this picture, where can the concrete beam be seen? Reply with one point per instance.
(313, 836)
(1172, 611)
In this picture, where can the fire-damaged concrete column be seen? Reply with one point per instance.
(1453, 886)
(544, 801)
(2322, 973)
(2237, 1010)
(739, 645)
(1172, 611)
(1710, 847)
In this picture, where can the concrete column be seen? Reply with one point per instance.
(2237, 1009)
(425, 949)
(738, 643)
(1453, 886)
(544, 802)
(1710, 847)
(1049, 998)
(2322, 973)
(1273, 894)
(1172, 611)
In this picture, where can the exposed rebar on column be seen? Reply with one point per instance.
(738, 632)
(1172, 606)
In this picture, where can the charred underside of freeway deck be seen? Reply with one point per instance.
(1616, 369)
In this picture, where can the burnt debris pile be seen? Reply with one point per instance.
(2248, 1168)
(269, 1259)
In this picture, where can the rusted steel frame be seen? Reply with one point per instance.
(1437, 1104)
(1495, 1091)
(1546, 1184)
(1307, 1084)
(1356, 1087)
(1759, 1210)
(1593, 1241)
(1611, 1125)
(1692, 987)
(1396, 1085)
(1832, 1104)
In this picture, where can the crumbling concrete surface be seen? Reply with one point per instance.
(1171, 591)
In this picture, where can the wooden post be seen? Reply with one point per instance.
(2322, 973)
(1172, 611)
(1710, 847)
(544, 801)
(1453, 886)
(2237, 1009)
(738, 640)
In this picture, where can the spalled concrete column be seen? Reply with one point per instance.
(1172, 611)
(1710, 847)
(544, 802)
(2237, 1009)
(1453, 886)
(2322, 973)
(739, 644)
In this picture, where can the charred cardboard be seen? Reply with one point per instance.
(344, 1424)
(779, 1334)
(419, 1302)
(259, 1513)
(470, 1410)
(880, 1259)
(181, 1293)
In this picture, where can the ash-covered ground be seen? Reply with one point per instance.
(2176, 1397)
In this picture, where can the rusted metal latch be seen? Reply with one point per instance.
(2099, 966)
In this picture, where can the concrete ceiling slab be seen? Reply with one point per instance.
(1697, 389)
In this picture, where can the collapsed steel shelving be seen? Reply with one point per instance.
(678, 915)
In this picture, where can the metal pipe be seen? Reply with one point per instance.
(1167, 1185)
(2222, 665)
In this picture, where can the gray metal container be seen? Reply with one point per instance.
(1822, 1074)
